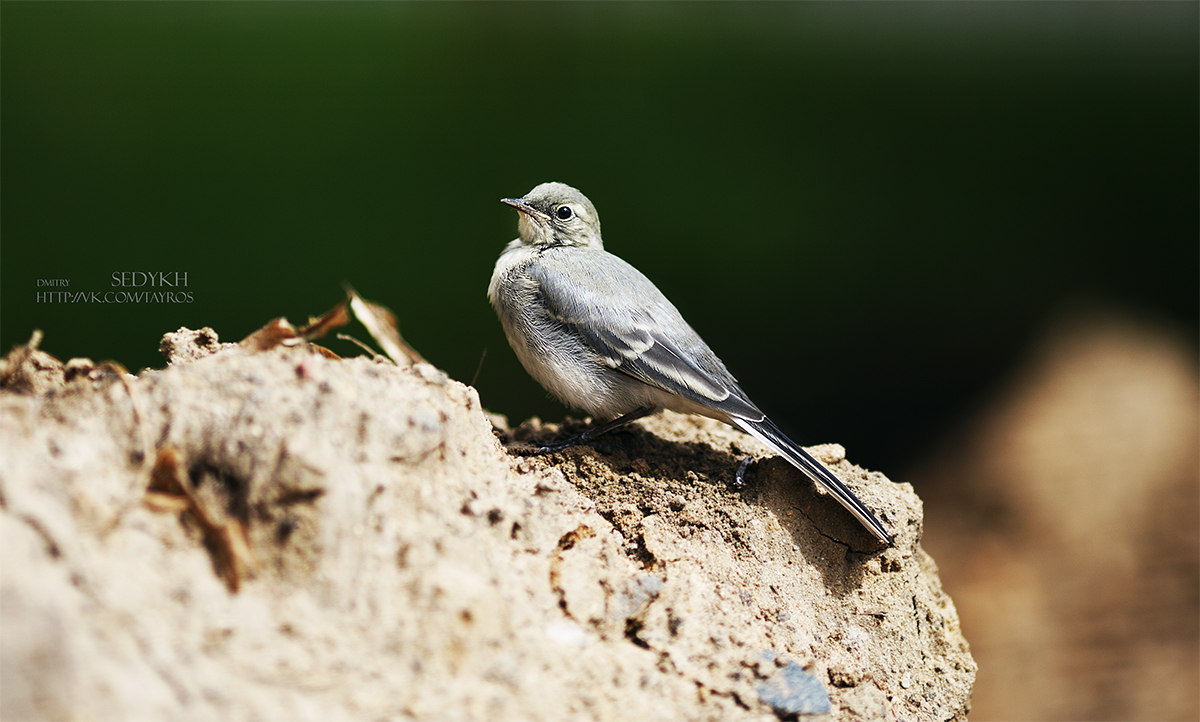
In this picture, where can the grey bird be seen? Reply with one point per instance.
(597, 334)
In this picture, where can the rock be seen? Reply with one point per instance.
(1067, 526)
(29, 370)
(185, 345)
(283, 535)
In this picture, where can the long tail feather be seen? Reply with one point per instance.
(769, 434)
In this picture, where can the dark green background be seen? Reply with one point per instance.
(869, 210)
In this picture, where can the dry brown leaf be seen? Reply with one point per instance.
(166, 477)
(322, 351)
(276, 333)
(226, 541)
(333, 318)
(281, 333)
(162, 503)
(378, 320)
(381, 324)
(230, 547)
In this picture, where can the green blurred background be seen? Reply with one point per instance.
(868, 210)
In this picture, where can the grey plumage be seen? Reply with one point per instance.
(597, 334)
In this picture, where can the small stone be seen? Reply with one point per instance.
(566, 633)
(794, 692)
(187, 345)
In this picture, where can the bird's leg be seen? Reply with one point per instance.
(595, 431)
(739, 478)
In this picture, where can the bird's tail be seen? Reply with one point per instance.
(769, 434)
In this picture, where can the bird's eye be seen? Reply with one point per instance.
(564, 213)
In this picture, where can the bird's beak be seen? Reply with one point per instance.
(521, 205)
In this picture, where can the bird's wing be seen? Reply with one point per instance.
(628, 322)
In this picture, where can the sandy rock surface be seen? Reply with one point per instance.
(280, 535)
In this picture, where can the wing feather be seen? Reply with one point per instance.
(628, 322)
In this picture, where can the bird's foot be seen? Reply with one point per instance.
(549, 447)
(739, 478)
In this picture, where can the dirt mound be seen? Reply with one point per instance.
(284, 535)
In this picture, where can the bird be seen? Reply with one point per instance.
(598, 335)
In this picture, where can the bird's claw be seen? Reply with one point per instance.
(549, 447)
(739, 478)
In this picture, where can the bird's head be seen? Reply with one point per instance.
(555, 214)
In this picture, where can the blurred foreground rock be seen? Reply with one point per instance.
(284, 536)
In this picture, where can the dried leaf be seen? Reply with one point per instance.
(281, 333)
(166, 477)
(227, 541)
(230, 547)
(381, 324)
(165, 503)
(276, 333)
(322, 351)
(333, 318)
(360, 344)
